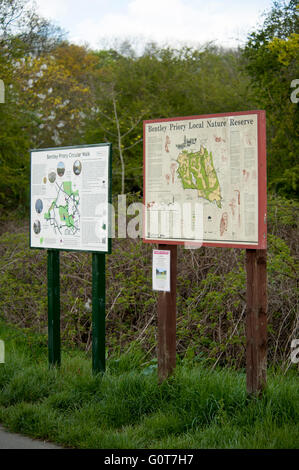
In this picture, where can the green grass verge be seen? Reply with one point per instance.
(126, 408)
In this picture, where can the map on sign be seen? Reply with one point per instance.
(201, 180)
(196, 171)
(63, 213)
(70, 194)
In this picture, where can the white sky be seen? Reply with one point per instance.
(175, 22)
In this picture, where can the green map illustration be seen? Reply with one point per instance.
(196, 171)
(63, 214)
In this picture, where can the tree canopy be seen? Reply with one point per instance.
(272, 55)
(58, 93)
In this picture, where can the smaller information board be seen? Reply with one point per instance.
(161, 270)
(70, 196)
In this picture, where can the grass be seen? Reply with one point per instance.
(125, 408)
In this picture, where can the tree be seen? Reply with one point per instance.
(162, 82)
(57, 88)
(272, 55)
(23, 35)
(22, 31)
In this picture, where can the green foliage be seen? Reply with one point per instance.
(282, 213)
(30, 385)
(161, 82)
(287, 184)
(281, 262)
(211, 296)
(23, 34)
(195, 408)
(272, 63)
(50, 84)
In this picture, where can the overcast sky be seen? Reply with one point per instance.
(227, 22)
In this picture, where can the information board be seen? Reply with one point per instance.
(205, 180)
(161, 270)
(70, 196)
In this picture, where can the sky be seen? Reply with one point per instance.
(98, 23)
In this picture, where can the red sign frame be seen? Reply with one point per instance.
(262, 180)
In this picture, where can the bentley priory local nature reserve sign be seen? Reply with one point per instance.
(205, 180)
(205, 185)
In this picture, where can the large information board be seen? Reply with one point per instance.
(205, 180)
(70, 198)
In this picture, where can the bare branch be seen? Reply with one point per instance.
(119, 145)
(133, 145)
(134, 126)
(105, 115)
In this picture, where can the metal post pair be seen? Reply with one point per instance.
(98, 310)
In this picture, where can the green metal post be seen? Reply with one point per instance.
(53, 308)
(98, 312)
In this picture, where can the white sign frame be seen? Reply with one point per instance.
(70, 198)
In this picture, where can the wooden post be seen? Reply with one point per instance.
(256, 320)
(167, 320)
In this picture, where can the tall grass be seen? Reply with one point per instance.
(211, 293)
(126, 408)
